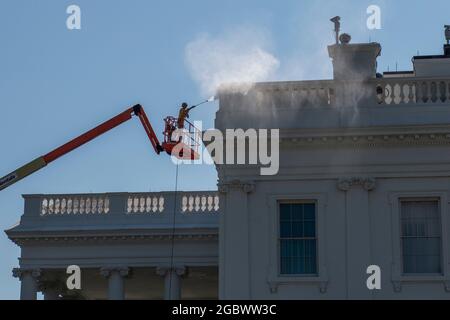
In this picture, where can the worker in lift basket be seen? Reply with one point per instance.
(183, 114)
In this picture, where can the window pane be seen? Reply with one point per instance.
(310, 211)
(310, 228)
(297, 212)
(421, 237)
(285, 212)
(297, 239)
(297, 229)
(285, 229)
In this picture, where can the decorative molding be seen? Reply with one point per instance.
(397, 285)
(244, 186)
(122, 271)
(369, 140)
(24, 240)
(20, 272)
(447, 286)
(273, 286)
(164, 270)
(323, 286)
(345, 184)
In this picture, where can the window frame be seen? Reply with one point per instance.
(274, 276)
(441, 249)
(279, 203)
(398, 278)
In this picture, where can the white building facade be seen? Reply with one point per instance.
(364, 180)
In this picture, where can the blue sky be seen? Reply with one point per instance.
(56, 83)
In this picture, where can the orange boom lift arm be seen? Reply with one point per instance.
(185, 151)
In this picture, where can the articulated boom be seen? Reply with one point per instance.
(185, 150)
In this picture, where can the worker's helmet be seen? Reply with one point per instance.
(184, 105)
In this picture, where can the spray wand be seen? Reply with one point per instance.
(213, 98)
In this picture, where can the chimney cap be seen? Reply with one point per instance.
(345, 38)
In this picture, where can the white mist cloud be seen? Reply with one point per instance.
(239, 56)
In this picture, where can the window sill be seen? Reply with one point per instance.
(320, 281)
(398, 282)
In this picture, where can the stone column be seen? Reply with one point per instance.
(234, 242)
(115, 276)
(29, 282)
(358, 234)
(172, 281)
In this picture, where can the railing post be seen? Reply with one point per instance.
(32, 206)
(117, 203)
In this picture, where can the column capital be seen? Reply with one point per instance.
(244, 186)
(367, 183)
(122, 271)
(20, 272)
(164, 270)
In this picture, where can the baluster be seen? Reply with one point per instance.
(397, 94)
(203, 203)
(63, 205)
(426, 92)
(100, 205)
(141, 204)
(148, 202)
(184, 203)
(330, 96)
(130, 205)
(433, 91)
(419, 92)
(216, 203)
(191, 203)
(197, 203)
(88, 205)
(406, 93)
(155, 204)
(44, 206)
(76, 206)
(210, 203)
(447, 90)
(161, 204)
(57, 204)
(82, 205)
(442, 91)
(412, 93)
(319, 96)
(94, 205)
(106, 204)
(50, 206)
(69, 205)
(388, 93)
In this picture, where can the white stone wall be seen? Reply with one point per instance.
(356, 158)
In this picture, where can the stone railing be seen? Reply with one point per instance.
(317, 93)
(145, 203)
(157, 210)
(323, 93)
(388, 91)
(199, 203)
(127, 203)
(77, 204)
(395, 91)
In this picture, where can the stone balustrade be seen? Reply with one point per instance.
(406, 90)
(158, 210)
(127, 203)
